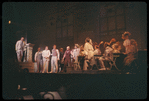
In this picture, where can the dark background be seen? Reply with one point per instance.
(48, 23)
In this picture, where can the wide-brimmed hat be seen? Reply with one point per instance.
(125, 33)
(132, 40)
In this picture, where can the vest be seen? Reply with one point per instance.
(54, 52)
(39, 56)
(68, 54)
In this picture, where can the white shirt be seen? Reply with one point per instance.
(97, 52)
(126, 44)
(19, 45)
(88, 47)
(88, 50)
(46, 53)
(76, 52)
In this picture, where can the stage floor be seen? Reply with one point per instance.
(92, 72)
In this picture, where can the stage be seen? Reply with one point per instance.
(86, 85)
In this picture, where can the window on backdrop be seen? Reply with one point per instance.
(112, 19)
(65, 26)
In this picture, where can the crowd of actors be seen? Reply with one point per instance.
(70, 57)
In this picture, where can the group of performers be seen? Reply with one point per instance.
(71, 57)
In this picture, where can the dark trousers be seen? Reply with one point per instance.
(61, 65)
(66, 62)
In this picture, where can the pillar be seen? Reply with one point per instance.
(29, 51)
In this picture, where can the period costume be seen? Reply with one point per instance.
(54, 60)
(67, 57)
(60, 61)
(19, 49)
(115, 48)
(38, 59)
(76, 53)
(89, 52)
(96, 52)
(126, 44)
(108, 55)
(46, 58)
(132, 54)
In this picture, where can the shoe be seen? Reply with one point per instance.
(102, 69)
(50, 72)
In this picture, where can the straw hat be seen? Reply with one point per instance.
(125, 33)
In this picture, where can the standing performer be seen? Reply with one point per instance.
(126, 43)
(46, 54)
(54, 60)
(76, 52)
(61, 57)
(38, 59)
(89, 52)
(19, 49)
(67, 56)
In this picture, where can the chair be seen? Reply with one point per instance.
(76, 66)
(112, 61)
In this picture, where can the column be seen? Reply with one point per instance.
(29, 51)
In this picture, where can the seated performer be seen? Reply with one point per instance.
(132, 53)
(101, 47)
(38, 59)
(89, 52)
(67, 57)
(126, 42)
(76, 52)
(116, 48)
(96, 52)
(112, 41)
(108, 55)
